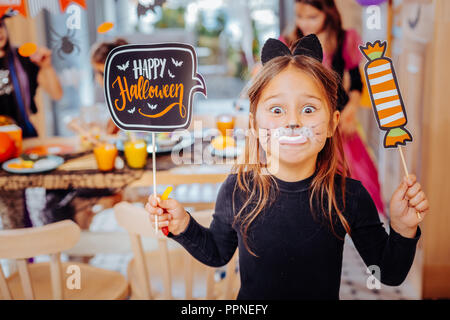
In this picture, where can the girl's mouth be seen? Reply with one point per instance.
(300, 139)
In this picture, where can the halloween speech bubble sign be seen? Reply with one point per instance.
(151, 87)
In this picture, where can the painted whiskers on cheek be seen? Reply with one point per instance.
(320, 133)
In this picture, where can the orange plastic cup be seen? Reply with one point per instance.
(225, 124)
(15, 132)
(105, 154)
(136, 153)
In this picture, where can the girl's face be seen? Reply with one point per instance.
(309, 19)
(292, 99)
(3, 36)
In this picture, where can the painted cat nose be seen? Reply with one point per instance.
(293, 126)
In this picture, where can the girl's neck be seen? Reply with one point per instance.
(293, 172)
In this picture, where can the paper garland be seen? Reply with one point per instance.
(35, 6)
(12, 4)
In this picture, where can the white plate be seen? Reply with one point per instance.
(45, 164)
(230, 152)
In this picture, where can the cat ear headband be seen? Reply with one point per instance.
(307, 46)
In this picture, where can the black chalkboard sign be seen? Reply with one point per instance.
(151, 87)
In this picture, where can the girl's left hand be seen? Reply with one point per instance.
(42, 57)
(406, 201)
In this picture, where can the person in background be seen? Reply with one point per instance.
(341, 54)
(99, 54)
(19, 79)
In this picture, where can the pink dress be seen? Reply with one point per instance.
(360, 163)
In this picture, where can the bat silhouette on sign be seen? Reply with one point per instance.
(177, 63)
(132, 110)
(170, 74)
(124, 67)
(152, 106)
(143, 9)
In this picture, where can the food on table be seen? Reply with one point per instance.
(135, 153)
(223, 142)
(7, 147)
(44, 150)
(38, 151)
(5, 120)
(22, 164)
(88, 140)
(105, 155)
(15, 133)
(38, 165)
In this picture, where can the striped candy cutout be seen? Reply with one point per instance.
(385, 95)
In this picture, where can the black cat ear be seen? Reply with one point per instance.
(309, 46)
(273, 48)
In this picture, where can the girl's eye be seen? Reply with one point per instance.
(308, 109)
(276, 110)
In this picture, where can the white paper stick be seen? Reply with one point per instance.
(405, 168)
(154, 176)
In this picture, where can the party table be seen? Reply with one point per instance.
(80, 172)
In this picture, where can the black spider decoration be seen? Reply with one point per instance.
(143, 9)
(65, 44)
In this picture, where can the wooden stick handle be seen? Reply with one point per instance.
(154, 175)
(405, 168)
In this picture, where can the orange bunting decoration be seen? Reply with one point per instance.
(14, 5)
(385, 94)
(27, 49)
(65, 3)
(105, 27)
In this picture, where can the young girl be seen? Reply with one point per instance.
(341, 54)
(288, 218)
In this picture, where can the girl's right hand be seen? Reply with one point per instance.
(170, 214)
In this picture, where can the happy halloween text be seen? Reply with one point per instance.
(145, 70)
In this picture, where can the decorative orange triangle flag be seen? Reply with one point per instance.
(12, 4)
(65, 3)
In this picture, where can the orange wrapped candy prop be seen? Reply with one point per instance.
(386, 99)
(385, 94)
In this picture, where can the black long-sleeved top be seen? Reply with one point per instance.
(299, 257)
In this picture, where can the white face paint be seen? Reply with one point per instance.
(293, 136)
(290, 135)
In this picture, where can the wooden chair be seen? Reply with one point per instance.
(50, 280)
(156, 274)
